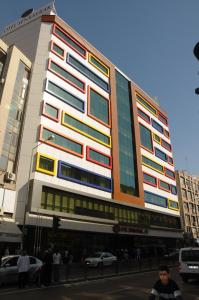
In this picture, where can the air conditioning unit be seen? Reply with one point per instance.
(9, 176)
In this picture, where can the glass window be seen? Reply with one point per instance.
(69, 40)
(46, 163)
(174, 189)
(65, 96)
(126, 137)
(51, 111)
(98, 157)
(169, 173)
(99, 107)
(64, 74)
(57, 49)
(166, 133)
(160, 154)
(87, 72)
(173, 205)
(155, 199)
(150, 179)
(145, 103)
(85, 129)
(156, 138)
(184, 194)
(164, 185)
(170, 160)
(69, 172)
(144, 116)
(98, 64)
(157, 126)
(163, 119)
(62, 142)
(152, 164)
(166, 145)
(146, 138)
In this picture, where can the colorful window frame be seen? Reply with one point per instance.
(173, 204)
(53, 47)
(161, 155)
(98, 64)
(143, 115)
(146, 104)
(89, 107)
(170, 160)
(151, 149)
(157, 126)
(71, 142)
(80, 67)
(44, 113)
(169, 173)
(149, 179)
(43, 170)
(166, 145)
(155, 199)
(105, 138)
(88, 157)
(174, 190)
(166, 133)
(81, 87)
(156, 138)
(69, 40)
(65, 96)
(83, 172)
(165, 186)
(162, 118)
(152, 164)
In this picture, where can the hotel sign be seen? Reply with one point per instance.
(48, 9)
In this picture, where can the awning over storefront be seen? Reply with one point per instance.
(9, 231)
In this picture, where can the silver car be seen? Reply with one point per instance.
(101, 259)
(9, 270)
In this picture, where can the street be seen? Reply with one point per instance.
(134, 287)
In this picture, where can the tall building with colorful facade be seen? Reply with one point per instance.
(95, 149)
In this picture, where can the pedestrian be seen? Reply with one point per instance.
(23, 265)
(47, 268)
(138, 254)
(165, 288)
(57, 260)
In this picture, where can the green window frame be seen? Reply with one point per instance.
(62, 142)
(146, 138)
(152, 164)
(65, 96)
(86, 130)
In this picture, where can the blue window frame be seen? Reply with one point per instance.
(157, 126)
(73, 173)
(87, 72)
(155, 199)
(160, 154)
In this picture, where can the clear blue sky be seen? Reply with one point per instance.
(152, 43)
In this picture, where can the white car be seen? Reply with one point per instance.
(189, 263)
(101, 259)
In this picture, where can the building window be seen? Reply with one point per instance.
(86, 129)
(87, 72)
(160, 154)
(126, 137)
(57, 50)
(46, 164)
(82, 176)
(162, 118)
(166, 133)
(157, 126)
(164, 185)
(69, 40)
(146, 104)
(98, 107)
(143, 115)
(155, 199)
(166, 145)
(170, 160)
(66, 76)
(184, 194)
(156, 138)
(61, 142)
(173, 204)
(98, 64)
(98, 157)
(51, 112)
(149, 179)
(173, 189)
(146, 138)
(169, 173)
(64, 95)
(152, 164)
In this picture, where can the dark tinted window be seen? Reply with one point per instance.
(190, 255)
(32, 260)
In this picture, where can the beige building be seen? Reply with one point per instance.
(188, 192)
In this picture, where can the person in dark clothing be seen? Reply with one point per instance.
(47, 268)
(165, 288)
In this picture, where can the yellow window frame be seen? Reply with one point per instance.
(173, 208)
(39, 169)
(150, 167)
(84, 133)
(154, 138)
(155, 114)
(101, 63)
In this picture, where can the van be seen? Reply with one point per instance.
(189, 263)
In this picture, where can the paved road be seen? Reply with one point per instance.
(132, 287)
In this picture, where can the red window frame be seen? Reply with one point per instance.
(53, 51)
(163, 118)
(88, 148)
(149, 122)
(49, 116)
(168, 148)
(161, 188)
(148, 182)
(151, 151)
(168, 175)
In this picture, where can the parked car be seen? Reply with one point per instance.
(101, 259)
(189, 263)
(9, 270)
(172, 255)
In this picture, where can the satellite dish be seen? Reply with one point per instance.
(27, 13)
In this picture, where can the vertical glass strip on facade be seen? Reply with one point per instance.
(126, 137)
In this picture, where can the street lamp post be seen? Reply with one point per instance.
(51, 137)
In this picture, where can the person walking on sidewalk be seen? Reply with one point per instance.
(57, 260)
(165, 288)
(23, 265)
